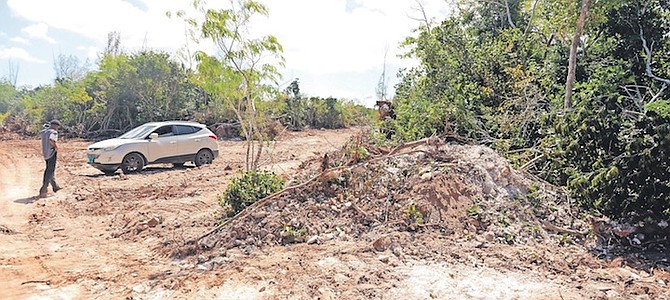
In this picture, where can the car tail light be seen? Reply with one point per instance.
(212, 137)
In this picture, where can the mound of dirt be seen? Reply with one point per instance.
(428, 186)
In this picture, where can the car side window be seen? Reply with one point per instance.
(184, 129)
(164, 131)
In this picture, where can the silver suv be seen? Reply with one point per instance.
(175, 142)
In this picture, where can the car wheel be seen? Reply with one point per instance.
(133, 162)
(203, 157)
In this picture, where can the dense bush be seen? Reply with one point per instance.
(329, 113)
(251, 187)
(613, 168)
(501, 82)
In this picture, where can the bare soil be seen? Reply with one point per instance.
(135, 236)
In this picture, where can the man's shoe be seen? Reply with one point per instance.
(56, 189)
(42, 195)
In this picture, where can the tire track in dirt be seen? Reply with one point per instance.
(23, 266)
(17, 181)
(182, 207)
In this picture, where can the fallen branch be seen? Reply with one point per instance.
(532, 162)
(47, 282)
(551, 227)
(427, 141)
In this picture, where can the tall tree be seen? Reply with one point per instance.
(69, 68)
(572, 61)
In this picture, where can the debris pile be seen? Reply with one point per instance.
(428, 186)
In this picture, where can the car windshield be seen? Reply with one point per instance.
(138, 132)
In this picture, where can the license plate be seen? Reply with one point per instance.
(90, 159)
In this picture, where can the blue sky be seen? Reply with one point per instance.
(335, 47)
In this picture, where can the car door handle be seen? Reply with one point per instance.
(173, 142)
(197, 140)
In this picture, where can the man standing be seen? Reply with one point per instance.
(49, 151)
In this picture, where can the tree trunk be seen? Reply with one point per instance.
(572, 62)
(509, 15)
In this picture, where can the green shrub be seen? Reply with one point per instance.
(251, 187)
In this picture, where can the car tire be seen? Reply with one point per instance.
(203, 157)
(133, 162)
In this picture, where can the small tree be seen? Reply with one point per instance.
(237, 74)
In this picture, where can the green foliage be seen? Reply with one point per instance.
(251, 187)
(474, 211)
(413, 215)
(298, 112)
(8, 96)
(239, 76)
(294, 108)
(625, 171)
(499, 77)
(290, 235)
(660, 107)
(129, 90)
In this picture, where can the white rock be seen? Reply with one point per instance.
(313, 239)
(635, 276)
(139, 288)
(612, 294)
(208, 266)
(427, 176)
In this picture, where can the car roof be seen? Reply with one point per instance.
(175, 123)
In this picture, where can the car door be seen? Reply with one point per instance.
(190, 141)
(165, 146)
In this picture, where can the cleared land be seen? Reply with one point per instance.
(115, 237)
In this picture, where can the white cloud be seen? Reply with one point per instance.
(323, 37)
(39, 31)
(20, 40)
(18, 53)
(328, 39)
(317, 35)
(91, 51)
(95, 19)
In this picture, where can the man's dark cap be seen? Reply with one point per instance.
(55, 122)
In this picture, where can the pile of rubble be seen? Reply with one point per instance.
(427, 187)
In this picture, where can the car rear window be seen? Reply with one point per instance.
(185, 129)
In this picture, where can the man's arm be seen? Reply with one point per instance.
(53, 144)
(52, 141)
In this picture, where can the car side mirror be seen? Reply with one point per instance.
(153, 136)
